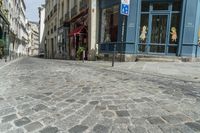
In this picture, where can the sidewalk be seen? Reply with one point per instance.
(179, 70)
(4, 64)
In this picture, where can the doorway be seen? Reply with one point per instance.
(159, 27)
(158, 35)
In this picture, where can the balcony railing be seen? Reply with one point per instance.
(55, 8)
(74, 11)
(51, 13)
(67, 16)
(83, 4)
(61, 21)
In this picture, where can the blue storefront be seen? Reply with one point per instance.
(154, 27)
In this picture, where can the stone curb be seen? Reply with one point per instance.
(11, 62)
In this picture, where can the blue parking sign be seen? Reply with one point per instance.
(124, 9)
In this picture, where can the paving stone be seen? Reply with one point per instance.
(108, 114)
(139, 130)
(194, 126)
(78, 129)
(1, 99)
(49, 130)
(33, 126)
(67, 111)
(176, 119)
(19, 130)
(39, 107)
(6, 111)
(26, 112)
(82, 101)
(120, 129)
(112, 107)
(70, 100)
(9, 118)
(5, 127)
(23, 107)
(184, 129)
(139, 121)
(90, 120)
(68, 122)
(153, 129)
(100, 129)
(48, 93)
(36, 96)
(21, 122)
(122, 121)
(94, 102)
(138, 100)
(48, 120)
(100, 108)
(123, 113)
(155, 120)
(166, 128)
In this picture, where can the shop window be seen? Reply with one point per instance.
(174, 31)
(109, 24)
(145, 6)
(177, 5)
(144, 28)
(143, 32)
(160, 6)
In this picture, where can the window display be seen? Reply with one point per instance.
(159, 32)
(109, 24)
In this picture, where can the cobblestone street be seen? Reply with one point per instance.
(55, 96)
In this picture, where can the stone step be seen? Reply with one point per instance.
(152, 58)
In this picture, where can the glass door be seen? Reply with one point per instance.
(159, 34)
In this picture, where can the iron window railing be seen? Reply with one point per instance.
(83, 4)
(74, 11)
(67, 16)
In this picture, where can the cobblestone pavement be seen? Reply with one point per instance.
(52, 96)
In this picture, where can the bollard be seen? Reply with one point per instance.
(113, 58)
(83, 56)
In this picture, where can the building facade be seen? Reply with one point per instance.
(153, 27)
(41, 29)
(51, 28)
(18, 35)
(33, 31)
(4, 30)
(69, 26)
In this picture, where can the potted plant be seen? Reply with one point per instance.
(80, 52)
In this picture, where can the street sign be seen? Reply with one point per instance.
(125, 7)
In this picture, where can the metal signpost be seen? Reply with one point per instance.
(124, 10)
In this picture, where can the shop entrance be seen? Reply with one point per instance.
(159, 27)
(158, 35)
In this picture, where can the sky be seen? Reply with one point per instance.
(32, 9)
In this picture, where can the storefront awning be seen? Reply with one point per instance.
(77, 31)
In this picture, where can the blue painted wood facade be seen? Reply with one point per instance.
(188, 28)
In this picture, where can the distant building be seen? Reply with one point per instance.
(18, 35)
(71, 25)
(42, 44)
(33, 31)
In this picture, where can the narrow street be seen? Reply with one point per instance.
(55, 96)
